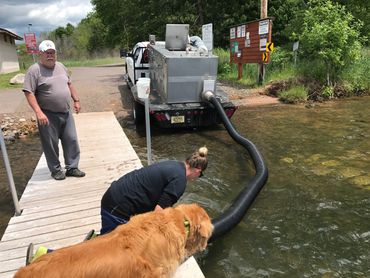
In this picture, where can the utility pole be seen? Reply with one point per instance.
(29, 31)
(261, 66)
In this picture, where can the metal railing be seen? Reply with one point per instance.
(10, 174)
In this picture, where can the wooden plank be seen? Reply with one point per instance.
(26, 225)
(70, 223)
(60, 213)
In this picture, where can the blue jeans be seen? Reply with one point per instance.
(109, 221)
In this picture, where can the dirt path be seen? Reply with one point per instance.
(101, 89)
(248, 97)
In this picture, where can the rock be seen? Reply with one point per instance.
(349, 172)
(17, 128)
(361, 180)
(8, 138)
(287, 160)
(18, 79)
(331, 163)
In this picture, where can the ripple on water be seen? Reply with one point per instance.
(329, 205)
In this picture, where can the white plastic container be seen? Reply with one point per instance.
(143, 87)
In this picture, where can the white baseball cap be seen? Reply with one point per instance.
(45, 45)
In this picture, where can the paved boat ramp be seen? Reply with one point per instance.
(60, 213)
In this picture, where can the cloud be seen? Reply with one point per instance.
(43, 15)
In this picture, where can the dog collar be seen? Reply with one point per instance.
(187, 226)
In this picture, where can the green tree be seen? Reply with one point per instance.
(360, 9)
(330, 34)
(287, 15)
(90, 34)
(131, 21)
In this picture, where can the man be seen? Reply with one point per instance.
(48, 89)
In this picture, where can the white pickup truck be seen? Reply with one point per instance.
(177, 80)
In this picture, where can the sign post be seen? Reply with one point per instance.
(295, 50)
(31, 44)
(207, 36)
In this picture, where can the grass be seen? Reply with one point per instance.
(279, 69)
(93, 62)
(295, 94)
(283, 74)
(5, 78)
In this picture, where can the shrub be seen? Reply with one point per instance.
(357, 75)
(295, 94)
(280, 59)
(331, 35)
(328, 92)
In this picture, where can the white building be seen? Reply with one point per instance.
(8, 51)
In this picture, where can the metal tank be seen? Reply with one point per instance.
(177, 75)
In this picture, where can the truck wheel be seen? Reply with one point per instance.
(138, 113)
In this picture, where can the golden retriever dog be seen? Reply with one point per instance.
(151, 245)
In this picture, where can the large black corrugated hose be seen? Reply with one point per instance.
(235, 213)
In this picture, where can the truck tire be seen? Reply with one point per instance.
(138, 113)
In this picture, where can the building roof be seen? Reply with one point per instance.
(15, 36)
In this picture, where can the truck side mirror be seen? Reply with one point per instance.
(123, 53)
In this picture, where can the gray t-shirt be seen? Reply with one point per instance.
(50, 86)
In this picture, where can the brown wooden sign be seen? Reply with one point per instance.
(251, 42)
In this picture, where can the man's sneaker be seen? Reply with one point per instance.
(75, 172)
(41, 250)
(58, 175)
(90, 235)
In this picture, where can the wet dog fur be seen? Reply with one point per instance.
(152, 245)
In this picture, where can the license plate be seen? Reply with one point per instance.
(177, 119)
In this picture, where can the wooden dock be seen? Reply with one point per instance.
(60, 213)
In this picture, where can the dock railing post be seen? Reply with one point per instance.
(10, 175)
(147, 128)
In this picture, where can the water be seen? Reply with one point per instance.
(312, 217)
(23, 157)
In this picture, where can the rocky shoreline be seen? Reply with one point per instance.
(17, 127)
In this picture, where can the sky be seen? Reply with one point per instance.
(44, 15)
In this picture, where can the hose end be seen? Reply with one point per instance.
(207, 95)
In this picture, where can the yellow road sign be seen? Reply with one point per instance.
(265, 57)
(269, 46)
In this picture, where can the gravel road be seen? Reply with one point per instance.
(99, 88)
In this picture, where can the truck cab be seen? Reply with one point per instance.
(137, 62)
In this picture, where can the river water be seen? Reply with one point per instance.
(311, 219)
